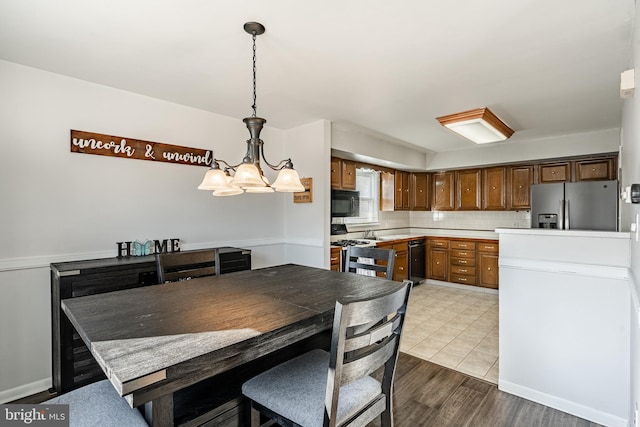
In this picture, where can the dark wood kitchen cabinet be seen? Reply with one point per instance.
(488, 265)
(468, 190)
(419, 194)
(438, 259)
(387, 191)
(599, 169)
(335, 258)
(72, 363)
(519, 183)
(401, 262)
(494, 188)
(402, 191)
(462, 262)
(343, 174)
(443, 194)
(466, 261)
(554, 172)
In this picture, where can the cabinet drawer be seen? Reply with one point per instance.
(488, 247)
(438, 243)
(458, 244)
(460, 269)
(458, 253)
(464, 279)
(471, 262)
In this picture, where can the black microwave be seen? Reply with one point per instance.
(345, 203)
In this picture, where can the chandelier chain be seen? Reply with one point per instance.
(254, 106)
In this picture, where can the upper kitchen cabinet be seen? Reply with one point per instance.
(343, 174)
(519, 183)
(419, 192)
(554, 172)
(402, 191)
(468, 186)
(599, 169)
(494, 185)
(443, 198)
(387, 191)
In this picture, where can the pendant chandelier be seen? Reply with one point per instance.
(247, 175)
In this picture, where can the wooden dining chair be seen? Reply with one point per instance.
(336, 388)
(186, 265)
(378, 261)
(98, 404)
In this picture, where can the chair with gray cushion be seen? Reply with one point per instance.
(99, 404)
(186, 265)
(336, 388)
(377, 261)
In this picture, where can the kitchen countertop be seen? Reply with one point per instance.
(568, 233)
(388, 235)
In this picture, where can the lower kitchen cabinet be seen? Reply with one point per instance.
(401, 262)
(465, 261)
(462, 259)
(488, 264)
(438, 261)
(336, 254)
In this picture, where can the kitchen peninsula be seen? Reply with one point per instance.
(564, 320)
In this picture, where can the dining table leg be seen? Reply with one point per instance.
(159, 412)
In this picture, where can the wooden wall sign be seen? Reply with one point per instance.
(117, 146)
(305, 196)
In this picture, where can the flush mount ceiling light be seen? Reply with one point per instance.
(247, 175)
(480, 126)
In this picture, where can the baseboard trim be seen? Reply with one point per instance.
(567, 406)
(25, 390)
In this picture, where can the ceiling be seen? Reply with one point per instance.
(546, 67)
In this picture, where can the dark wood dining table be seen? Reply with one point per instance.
(154, 341)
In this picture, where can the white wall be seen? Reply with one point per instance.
(57, 206)
(307, 224)
(365, 146)
(596, 142)
(630, 161)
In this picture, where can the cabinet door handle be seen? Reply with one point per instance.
(463, 253)
(463, 270)
(462, 261)
(462, 279)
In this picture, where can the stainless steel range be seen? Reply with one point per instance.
(349, 242)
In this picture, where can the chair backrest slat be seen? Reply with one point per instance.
(373, 335)
(369, 362)
(177, 266)
(381, 260)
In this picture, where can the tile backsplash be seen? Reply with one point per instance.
(465, 220)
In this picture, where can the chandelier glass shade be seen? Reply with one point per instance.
(248, 175)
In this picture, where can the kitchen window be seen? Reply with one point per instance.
(368, 184)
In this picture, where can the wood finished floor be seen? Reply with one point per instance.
(431, 395)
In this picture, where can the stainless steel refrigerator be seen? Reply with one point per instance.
(585, 205)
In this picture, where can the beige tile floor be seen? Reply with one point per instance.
(452, 327)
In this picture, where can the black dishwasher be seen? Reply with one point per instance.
(417, 270)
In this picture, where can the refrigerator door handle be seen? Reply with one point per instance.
(567, 225)
(561, 216)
